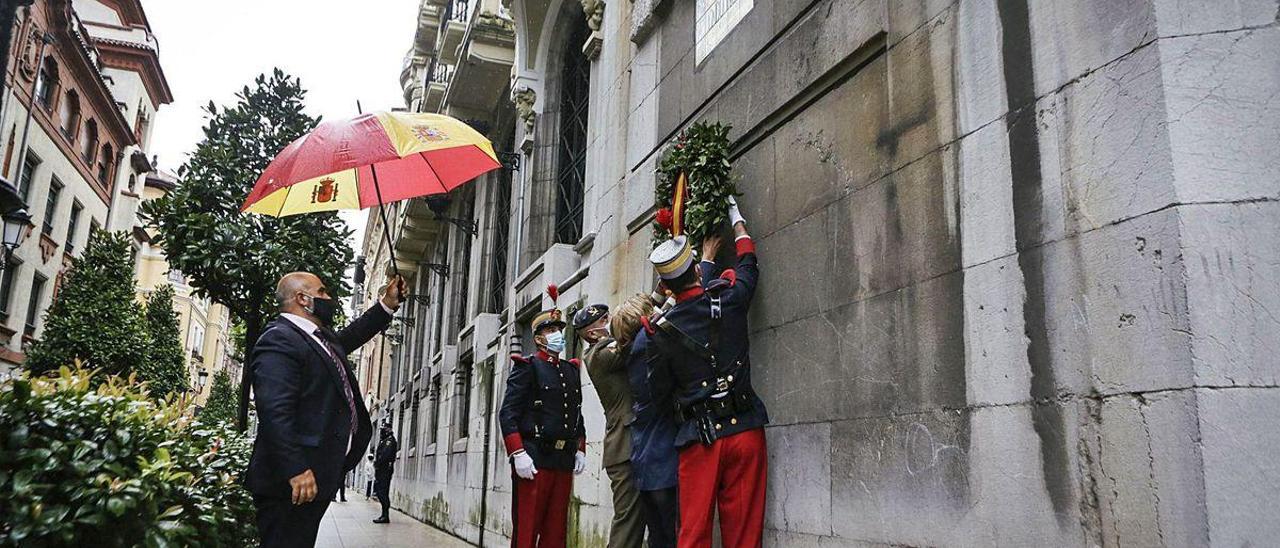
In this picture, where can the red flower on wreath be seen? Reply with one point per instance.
(664, 218)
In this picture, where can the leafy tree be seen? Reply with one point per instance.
(95, 317)
(166, 367)
(221, 405)
(235, 258)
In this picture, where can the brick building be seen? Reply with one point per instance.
(83, 84)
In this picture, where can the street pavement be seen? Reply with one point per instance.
(349, 525)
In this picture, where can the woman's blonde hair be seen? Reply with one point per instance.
(625, 321)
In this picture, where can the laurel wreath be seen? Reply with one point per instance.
(702, 153)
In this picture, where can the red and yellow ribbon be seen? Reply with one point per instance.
(677, 205)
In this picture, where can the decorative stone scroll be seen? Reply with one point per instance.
(524, 99)
(594, 9)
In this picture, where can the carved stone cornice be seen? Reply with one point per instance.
(645, 16)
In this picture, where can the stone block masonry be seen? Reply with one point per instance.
(1020, 260)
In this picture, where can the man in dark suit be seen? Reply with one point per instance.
(383, 466)
(312, 424)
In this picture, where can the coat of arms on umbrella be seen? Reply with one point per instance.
(429, 134)
(324, 191)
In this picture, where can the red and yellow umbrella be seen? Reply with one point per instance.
(369, 160)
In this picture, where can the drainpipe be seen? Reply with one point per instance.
(488, 430)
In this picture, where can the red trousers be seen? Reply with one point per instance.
(540, 509)
(731, 474)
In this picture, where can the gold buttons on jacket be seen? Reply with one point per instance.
(733, 421)
(718, 426)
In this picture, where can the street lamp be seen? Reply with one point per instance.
(201, 376)
(17, 224)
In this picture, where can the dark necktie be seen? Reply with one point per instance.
(329, 345)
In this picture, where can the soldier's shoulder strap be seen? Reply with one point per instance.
(517, 358)
(674, 333)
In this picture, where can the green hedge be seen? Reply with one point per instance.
(108, 466)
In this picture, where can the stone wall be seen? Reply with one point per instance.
(1019, 261)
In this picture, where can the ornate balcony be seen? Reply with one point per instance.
(437, 84)
(485, 66)
(457, 15)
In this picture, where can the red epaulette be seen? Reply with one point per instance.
(648, 325)
(731, 275)
(519, 359)
(576, 362)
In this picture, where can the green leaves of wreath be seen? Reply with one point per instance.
(702, 153)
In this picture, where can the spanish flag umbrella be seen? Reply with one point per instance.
(372, 159)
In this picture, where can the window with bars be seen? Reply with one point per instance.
(462, 272)
(575, 84)
(462, 399)
(497, 293)
(435, 409)
(413, 420)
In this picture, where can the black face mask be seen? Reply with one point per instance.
(325, 310)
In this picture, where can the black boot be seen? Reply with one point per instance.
(382, 519)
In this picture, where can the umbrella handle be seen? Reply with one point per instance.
(386, 227)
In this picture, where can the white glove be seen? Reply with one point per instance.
(735, 216)
(579, 462)
(523, 464)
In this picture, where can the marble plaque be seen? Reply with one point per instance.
(716, 19)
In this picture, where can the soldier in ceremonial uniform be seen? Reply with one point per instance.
(608, 375)
(541, 420)
(702, 343)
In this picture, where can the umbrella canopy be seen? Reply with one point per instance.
(369, 160)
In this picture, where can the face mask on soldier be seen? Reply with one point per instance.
(555, 342)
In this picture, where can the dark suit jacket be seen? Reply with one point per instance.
(303, 418)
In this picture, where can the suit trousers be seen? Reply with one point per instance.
(281, 524)
(627, 530)
(540, 511)
(730, 474)
(661, 508)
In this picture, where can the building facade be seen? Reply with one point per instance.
(205, 326)
(84, 83)
(1018, 258)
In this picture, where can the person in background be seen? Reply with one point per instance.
(604, 366)
(384, 462)
(542, 430)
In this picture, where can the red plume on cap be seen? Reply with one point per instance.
(553, 292)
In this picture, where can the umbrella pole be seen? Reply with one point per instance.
(386, 227)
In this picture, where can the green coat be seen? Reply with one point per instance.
(608, 373)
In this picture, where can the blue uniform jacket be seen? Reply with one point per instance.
(691, 374)
(542, 410)
(654, 464)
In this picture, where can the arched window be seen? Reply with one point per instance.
(575, 85)
(89, 142)
(47, 83)
(106, 164)
(70, 115)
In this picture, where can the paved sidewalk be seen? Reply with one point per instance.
(350, 525)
